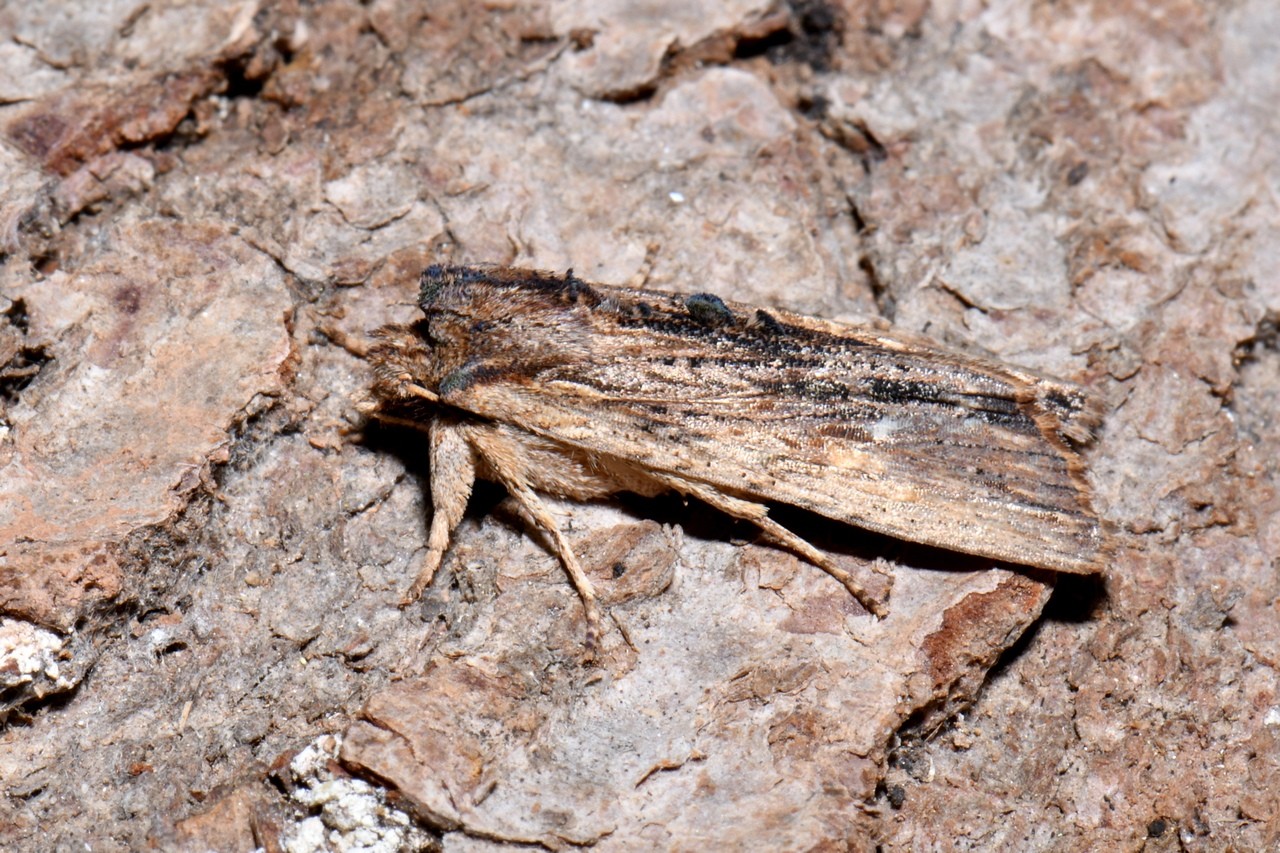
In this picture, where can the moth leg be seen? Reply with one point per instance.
(357, 347)
(504, 458)
(453, 473)
(758, 514)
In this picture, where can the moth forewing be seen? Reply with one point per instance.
(581, 390)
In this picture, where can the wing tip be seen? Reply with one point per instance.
(1070, 418)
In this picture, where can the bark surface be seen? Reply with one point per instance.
(201, 556)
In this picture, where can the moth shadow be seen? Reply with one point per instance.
(1075, 598)
(691, 515)
(834, 537)
(406, 444)
(410, 447)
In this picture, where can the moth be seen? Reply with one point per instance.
(549, 385)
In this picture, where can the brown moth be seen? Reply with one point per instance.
(547, 384)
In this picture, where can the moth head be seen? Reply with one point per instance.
(403, 360)
(485, 313)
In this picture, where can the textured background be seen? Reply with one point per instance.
(200, 555)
